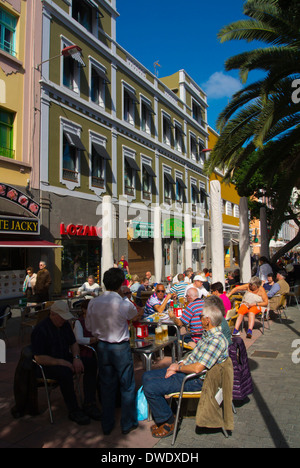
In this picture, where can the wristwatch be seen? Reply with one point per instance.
(76, 357)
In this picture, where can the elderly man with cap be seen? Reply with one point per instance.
(54, 347)
(198, 284)
(284, 288)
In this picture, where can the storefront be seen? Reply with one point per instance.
(81, 254)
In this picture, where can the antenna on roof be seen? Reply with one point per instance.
(156, 64)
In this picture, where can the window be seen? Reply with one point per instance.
(169, 183)
(194, 148)
(82, 11)
(70, 157)
(130, 169)
(7, 32)
(236, 211)
(98, 83)
(197, 112)
(129, 105)
(167, 130)
(6, 134)
(146, 117)
(180, 191)
(201, 153)
(147, 178)
(228, 208)
(71, 73)
(194, 195)
(179, 145)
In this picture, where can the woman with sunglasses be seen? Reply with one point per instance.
(158, 301)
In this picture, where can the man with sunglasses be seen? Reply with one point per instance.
(158, 301)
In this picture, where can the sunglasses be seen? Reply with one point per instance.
(160, 290)
(127, 293)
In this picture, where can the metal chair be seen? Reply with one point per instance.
(231, 317)
(184, 395)
(51, 384)
(281, 309)
(294, 293)
(264, 315)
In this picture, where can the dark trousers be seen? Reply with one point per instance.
(116, 368)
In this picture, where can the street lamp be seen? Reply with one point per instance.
(73, 51)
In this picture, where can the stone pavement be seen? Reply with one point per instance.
(270, 417)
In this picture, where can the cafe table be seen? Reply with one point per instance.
(164, 319)
(146, 347)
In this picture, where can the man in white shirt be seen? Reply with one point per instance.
(107, 319)
(198, 284)
(89, 288)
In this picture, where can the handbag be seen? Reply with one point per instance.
(141, 405)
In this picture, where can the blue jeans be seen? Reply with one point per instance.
(156, 386)
(116, 367)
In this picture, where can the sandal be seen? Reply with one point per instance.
(165, 430)
(154, 427)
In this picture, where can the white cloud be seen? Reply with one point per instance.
(221, 86)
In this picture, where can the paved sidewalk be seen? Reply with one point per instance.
(270, 418)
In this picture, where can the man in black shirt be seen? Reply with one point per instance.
(55, 348)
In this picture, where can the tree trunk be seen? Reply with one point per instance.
(286, 248)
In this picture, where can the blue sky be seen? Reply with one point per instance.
(183, 35)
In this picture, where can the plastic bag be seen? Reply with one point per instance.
(141, 405)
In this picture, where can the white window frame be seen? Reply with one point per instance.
(76, 79)
(193, 154)
(228, 208)
(198, 106)
(236, 211)
(71, 127)
(166, 134)
(179, 144)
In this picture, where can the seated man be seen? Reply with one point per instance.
(52, 339)
(211, 349)
(191, 317)
(179, 287)
(143, 287)
(218, 290)
(198, 283)
(284, 288)
(89, 288)
(158, 301)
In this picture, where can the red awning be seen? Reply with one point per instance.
(41, 244)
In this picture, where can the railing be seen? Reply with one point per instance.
(7, 152)
(70, 175)
(97, 182)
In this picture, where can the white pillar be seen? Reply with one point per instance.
(107, 260)
(217, 244)
(245, 254)
(188, 240)
(157, 246)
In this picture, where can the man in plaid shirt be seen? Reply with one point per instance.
(210, 350)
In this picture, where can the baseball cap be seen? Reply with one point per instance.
(61, 308)
(199, 278)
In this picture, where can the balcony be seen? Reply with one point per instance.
(98, 182)
(70, 175)
(7, 152)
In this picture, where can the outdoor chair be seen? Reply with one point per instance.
(281, 309)
(30, 321)
(231, 317)
(228, 373)
(294, 293)
(262, 316)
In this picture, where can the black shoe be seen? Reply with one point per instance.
(132, 428)
(93, 412)
(79, 417)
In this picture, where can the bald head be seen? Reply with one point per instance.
(192, 294)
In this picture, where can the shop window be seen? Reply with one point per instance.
(79, 260)
(6, 134)
(7, 32)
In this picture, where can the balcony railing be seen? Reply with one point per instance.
(70, 175)
(97, 182)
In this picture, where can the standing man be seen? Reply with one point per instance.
(107, 319)
(43, 281)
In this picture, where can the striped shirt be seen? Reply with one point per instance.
(191, 316)
(179, 288)
(210, 350)
(149, 307)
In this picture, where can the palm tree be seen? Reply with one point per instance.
(262, 119)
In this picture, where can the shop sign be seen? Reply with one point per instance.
(173, 227)
(16, 225)
(19, 198)
(142, 230)
(79, 230)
